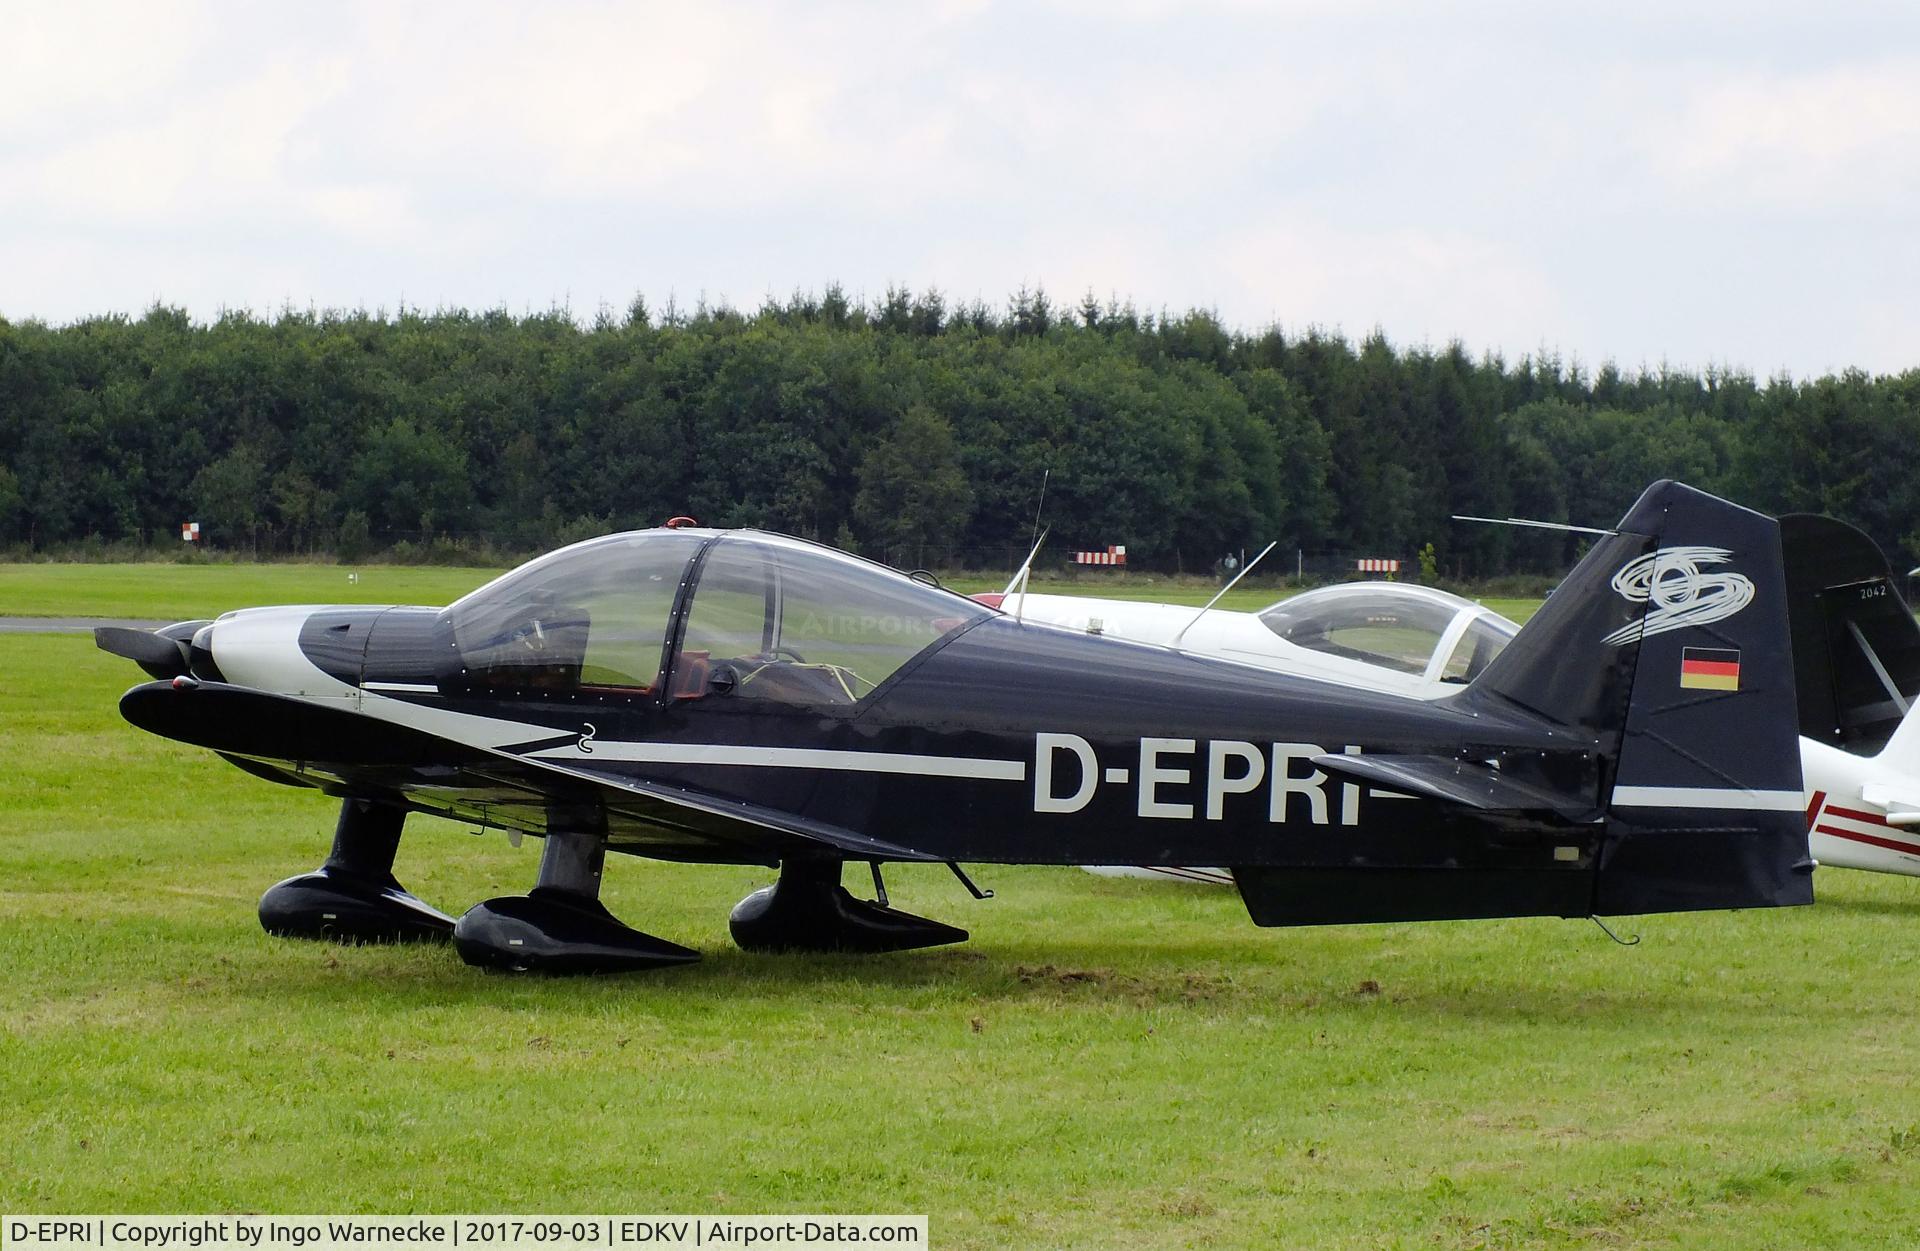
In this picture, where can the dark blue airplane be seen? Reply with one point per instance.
(741, 697)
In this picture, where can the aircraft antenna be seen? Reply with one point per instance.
(1041, 506)
(1630, 941)
(1021, 577)
(1244, 571)
(1537, 525)
(967, 882)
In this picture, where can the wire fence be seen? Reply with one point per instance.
(485, 547)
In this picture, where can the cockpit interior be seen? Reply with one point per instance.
(734, 615)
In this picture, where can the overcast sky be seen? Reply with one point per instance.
(1731, 183)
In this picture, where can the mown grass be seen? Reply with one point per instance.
(1107, 1064)
(183, 592)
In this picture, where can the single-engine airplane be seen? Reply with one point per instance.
(740, 697)
(1856, 661)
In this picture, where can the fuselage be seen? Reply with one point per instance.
(1003, 741)
(1845, 829)
(743, 697)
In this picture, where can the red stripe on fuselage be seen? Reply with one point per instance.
(1813, 809)
(1888, 843)
(1865, 818)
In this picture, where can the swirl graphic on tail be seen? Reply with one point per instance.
(1678, 591)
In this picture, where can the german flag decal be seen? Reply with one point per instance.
(1710, 668)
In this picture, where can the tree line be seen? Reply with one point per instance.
(908, 426)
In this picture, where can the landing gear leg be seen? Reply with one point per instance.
(354, 897)
(808, 910)
(561, 926)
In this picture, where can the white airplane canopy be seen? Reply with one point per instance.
(1408, 629)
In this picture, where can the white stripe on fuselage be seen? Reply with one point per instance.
(1731, 797)
(261, 648)
(788, 758)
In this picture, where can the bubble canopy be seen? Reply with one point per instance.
(1407, 629)
(758, 617)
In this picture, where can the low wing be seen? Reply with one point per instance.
(675, 808)
(307, 743)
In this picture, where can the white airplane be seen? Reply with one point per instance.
(1856, 656)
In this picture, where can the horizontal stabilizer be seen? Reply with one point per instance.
(1900, 802)
(1466, 783)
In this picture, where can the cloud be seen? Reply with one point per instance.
(1701, 183)
(68, 60)
(1811, 141)
(1883, 330)
(705, 104)
(217, 152)
(1421, 286)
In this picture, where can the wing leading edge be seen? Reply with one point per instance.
(307, 742)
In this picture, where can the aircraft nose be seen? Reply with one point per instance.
(259, 648)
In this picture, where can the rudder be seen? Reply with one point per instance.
(1856, 647)
(1669, 646)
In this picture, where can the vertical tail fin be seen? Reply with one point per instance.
(1856, 646)
(1669, 649)
(1902, 751)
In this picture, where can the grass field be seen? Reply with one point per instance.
(184, 592)
(1107, 1064)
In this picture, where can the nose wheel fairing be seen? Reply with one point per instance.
(343, 907)
(556, 931)
(354, 897)
(561, 926)
(808, 910)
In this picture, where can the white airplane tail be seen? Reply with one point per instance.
(1902, 751)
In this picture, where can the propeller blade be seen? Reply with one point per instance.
(162, 657)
